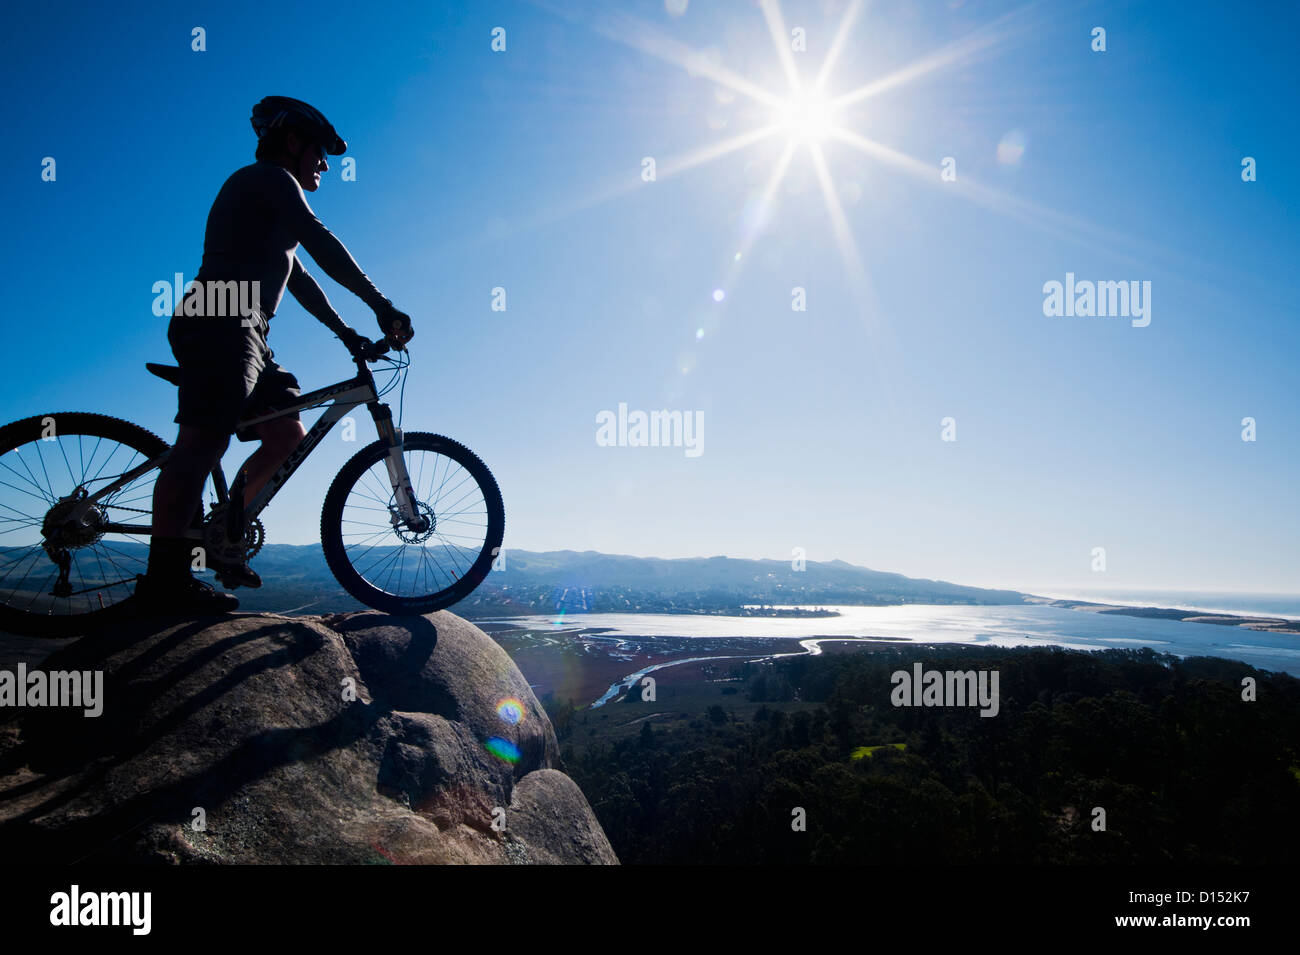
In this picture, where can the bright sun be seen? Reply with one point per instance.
(805, 117)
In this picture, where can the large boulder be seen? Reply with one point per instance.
(348, 738)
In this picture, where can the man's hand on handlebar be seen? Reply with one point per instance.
(362, 347)
(353, 340)
(395, 325)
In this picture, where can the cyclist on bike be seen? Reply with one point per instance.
(227, 372)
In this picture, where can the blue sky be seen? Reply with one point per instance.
(522, 170)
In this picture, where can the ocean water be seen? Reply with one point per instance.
(1263, 605)
(1015, 625)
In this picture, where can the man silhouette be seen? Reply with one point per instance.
(227, 372)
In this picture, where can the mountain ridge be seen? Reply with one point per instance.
(592, 581)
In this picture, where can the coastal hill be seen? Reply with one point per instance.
(258, 738)
(297, 579)
(566, 581)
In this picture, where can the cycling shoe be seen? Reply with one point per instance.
(184, 595)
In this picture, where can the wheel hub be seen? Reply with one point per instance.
(415, 534)
(63, 529)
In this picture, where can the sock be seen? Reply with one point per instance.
(169, 557)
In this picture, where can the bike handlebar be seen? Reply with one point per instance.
(374, 350)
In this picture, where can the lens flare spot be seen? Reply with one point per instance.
(1011, 149)
(699, 333)
(511, 711)
(755, 216)
(502, 749)
(719, 295)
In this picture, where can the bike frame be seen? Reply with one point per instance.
(342, 398)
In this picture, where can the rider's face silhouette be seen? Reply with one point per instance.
(311, 163)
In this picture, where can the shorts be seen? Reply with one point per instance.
(227, 374)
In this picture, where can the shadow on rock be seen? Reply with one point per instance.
(356, 737)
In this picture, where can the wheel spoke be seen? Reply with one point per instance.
(403, 564)
(27, 467)
(29, 480)
(41, 457)
(44, 500)
(101, 565)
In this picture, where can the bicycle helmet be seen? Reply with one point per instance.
(276, 112)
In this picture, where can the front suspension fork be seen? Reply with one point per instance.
(390, 434)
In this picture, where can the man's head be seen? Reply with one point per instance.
(296, 136)
(302, 156)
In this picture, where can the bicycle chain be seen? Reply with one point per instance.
(256, 530)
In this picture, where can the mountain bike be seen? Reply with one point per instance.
(411, 524)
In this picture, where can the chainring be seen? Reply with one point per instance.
(219, 545)
(254, 538)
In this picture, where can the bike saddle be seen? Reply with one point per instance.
(165, 372)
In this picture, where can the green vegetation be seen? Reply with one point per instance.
(866, 751)
(1185, 770)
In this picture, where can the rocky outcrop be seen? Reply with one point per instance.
(259, 738)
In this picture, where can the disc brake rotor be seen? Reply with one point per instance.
(408, 534)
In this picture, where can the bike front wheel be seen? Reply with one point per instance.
(384, 563)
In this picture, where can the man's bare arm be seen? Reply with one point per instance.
(329, 252)
(312, 297)
(323, 246)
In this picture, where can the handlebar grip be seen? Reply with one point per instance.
(373, 350)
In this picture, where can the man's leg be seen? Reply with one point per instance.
(178, 490)
(220, 363)
(279, 438)
(177, 494)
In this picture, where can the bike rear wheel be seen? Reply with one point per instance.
(48, 463)
(384, 564)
